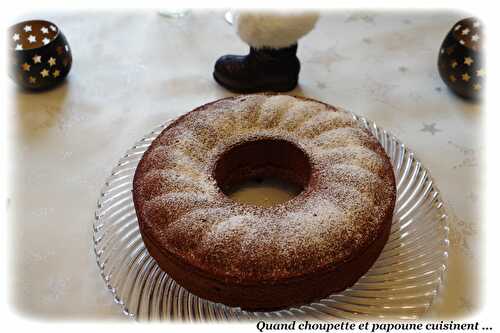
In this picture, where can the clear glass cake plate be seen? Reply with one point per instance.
(402, 284)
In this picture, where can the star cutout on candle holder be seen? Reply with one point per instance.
(453, 78)
(44, 73)
(27, 28)
(454, 64)
(475, 37)
(37, 59)
(19, 47)
(53, 28)
(52, 61)
(31, 39)
(481, 72)
(477, 87)
(56, 73)
(430, 128)
(466, 77)
(476, 24)
(26, 67)
(45, 41)
(32, 79)
(44, 30)
(468, 61)
(458, 27)
(465, 31)
(15, 37)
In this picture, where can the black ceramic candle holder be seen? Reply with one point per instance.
(460, 59)
(40, 56)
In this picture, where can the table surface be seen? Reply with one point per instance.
(134, 70)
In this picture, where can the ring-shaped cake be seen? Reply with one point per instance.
(263, 258)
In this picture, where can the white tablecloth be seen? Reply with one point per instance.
(133, 71)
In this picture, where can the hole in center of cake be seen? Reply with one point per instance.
(263, 172)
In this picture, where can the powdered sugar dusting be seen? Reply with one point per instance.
(331, 220)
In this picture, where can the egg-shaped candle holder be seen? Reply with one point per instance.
(460, 59)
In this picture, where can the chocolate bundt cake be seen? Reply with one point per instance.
(262, 258)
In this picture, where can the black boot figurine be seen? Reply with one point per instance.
(263, 69)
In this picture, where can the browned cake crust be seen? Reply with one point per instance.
(263, 258)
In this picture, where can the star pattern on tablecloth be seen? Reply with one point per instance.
(430, 128)
(403, 69)
(469, 156)
(461, 234)
(379, 90)
(473, 197)
(365, 17)
(321, 85)
(466, 304)
(327, 57)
